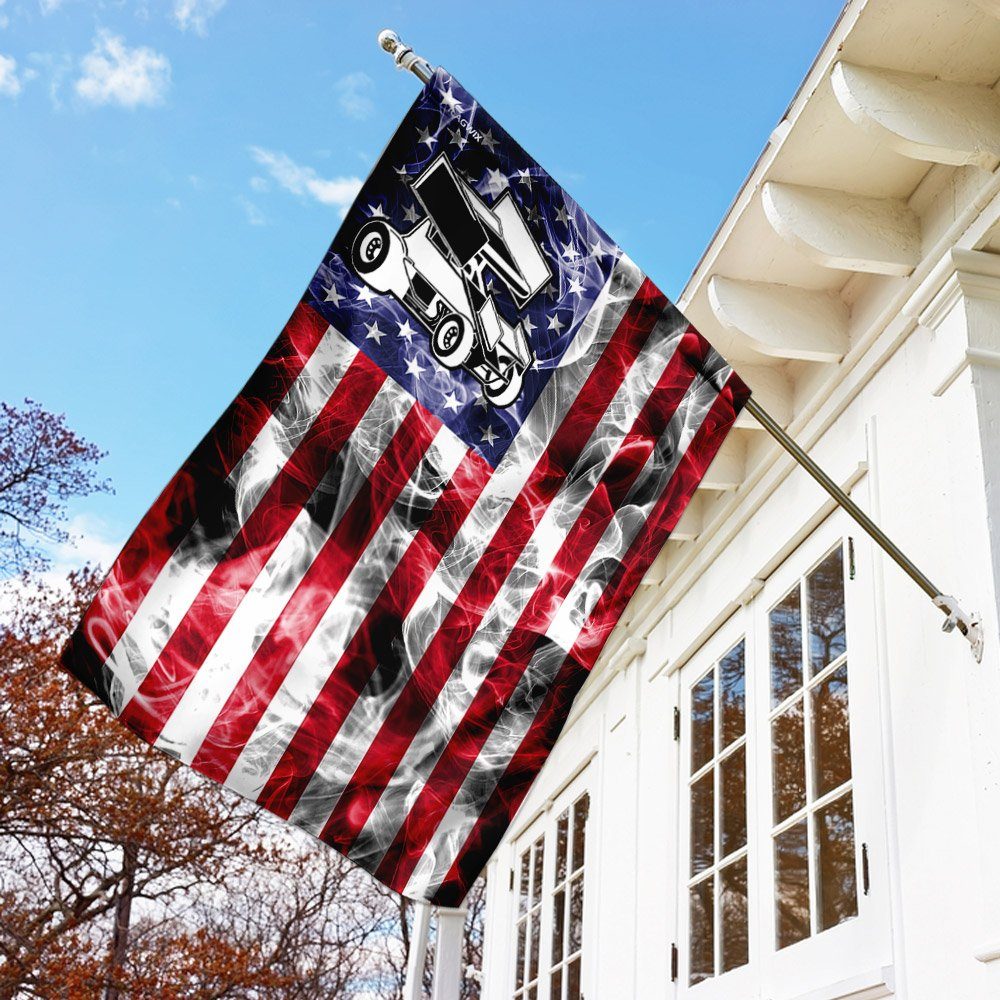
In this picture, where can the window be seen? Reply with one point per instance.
(782, 842)
(812, 803)
(529, 921)
(567, 901)
(717, 890)
(550, 878)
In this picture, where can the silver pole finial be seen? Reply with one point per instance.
(404, 56)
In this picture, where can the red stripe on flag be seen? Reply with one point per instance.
(230, 579)
(538, 741)
(463, 618)
(176, 509)
(460, 754)
(360, 659)
(311, 598)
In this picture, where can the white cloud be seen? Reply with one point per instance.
(195, 14)
(259, 184)
(10, 82)
(48, 6)
(254, 215)
(354, 95)
(57, 68)
(116, 74)
(336, 191)
(91, 540)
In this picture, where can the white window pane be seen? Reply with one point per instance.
(788, 755)
(734, 923)
(558, 924)
(831, 729)
(701, 951)
(791, 889)
(562, 839)
(576, 915)
(733, 802)
(703, 722)
(785, 637)
(835, 867)
(703, 823)
(827, 632)
(732, 695)
(581, 809)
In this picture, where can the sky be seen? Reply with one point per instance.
(171, 172)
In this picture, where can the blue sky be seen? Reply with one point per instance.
(171, 172)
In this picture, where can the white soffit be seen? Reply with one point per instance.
(924, 118)
(848, 231)
(953, 39)
(781, 321)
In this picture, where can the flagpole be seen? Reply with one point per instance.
(968, 624)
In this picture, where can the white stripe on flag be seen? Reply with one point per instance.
(181, 579)
(340, 621)
(528, 573)
(312, 668)
(227, 660)
(368, 713)
(514, 722)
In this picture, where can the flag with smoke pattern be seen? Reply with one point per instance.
(368, 598)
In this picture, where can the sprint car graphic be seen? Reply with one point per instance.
(438, 271)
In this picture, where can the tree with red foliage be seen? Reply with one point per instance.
(123, 873)
(43, 464)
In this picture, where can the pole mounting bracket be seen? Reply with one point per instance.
(968, 624)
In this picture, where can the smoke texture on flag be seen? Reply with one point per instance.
(369, 597)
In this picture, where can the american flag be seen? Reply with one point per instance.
(368, 598)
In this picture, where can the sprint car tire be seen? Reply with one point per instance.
(453, 340)
(371, 247)
(505, 394)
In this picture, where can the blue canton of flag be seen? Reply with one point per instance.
(486, 164)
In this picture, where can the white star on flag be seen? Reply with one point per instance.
(524, 178)
(555, 324)
(457, 138)
(365, 294)
(575, 288)
(561, 216)
(482, 401)
(406, 331)
(332, 295)
(488, 141)
(569, 251)
(529, 327)
(413, 368)
(374, 333)
(494, 182)
(427, 138)
(489, 435)
(410, 214)
(597, 249)
(449, 100)
(451, 402)
(376, 212)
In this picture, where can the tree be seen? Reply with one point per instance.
(43, 465)
(222, 899)
(123, 873)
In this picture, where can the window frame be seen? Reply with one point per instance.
(737, 981)
(862, 943)
(545, 826)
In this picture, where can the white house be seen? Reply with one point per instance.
(783, 780)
